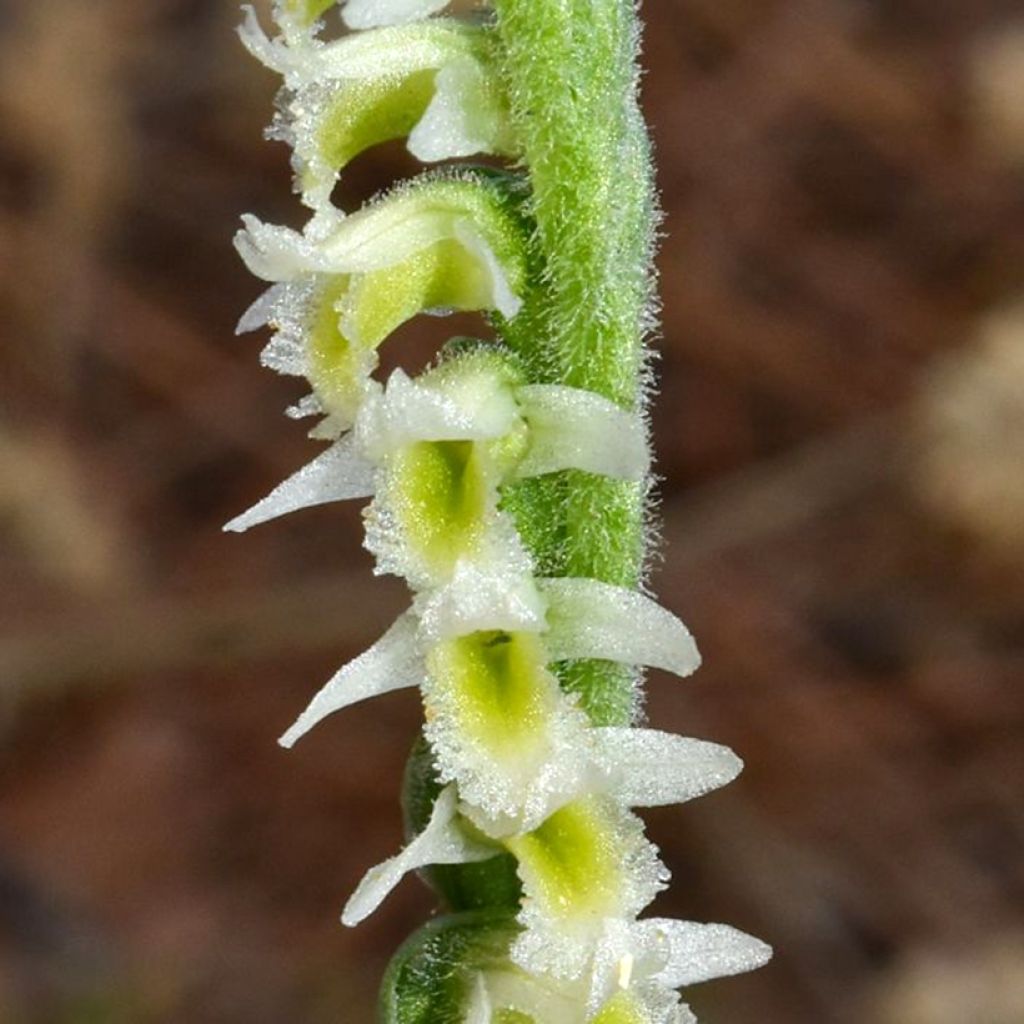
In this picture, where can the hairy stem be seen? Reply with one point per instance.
(571, 74)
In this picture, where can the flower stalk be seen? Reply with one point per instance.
(508, 485)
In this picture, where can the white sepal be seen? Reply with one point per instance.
(392, 663)
(372, 13)
(385, 233)
(441, 842)
(394, 49)
(590, 619)
(338, 474)
(648, 768)
(575, 429)
(699, 952)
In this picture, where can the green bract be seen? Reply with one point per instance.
(507, 484)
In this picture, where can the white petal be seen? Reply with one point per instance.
(648, 768)
(389, 231)
(371, 13)
(575, 429)
(441, 842)
(380, 235)
(503, 298)
(275, 253)
(597, 620)
(339, 474)
(458, 121)
(255, 40)
(389, 51)
(700, 952)
(615, 957)
(539, 998)
(392, 663)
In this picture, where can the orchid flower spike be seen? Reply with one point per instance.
(508, 485)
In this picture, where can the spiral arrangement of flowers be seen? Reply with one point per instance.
(508, 484)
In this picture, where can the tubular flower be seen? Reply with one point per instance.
(507, 484)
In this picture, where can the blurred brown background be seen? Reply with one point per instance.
(840, 430)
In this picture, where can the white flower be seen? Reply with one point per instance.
(637, 965)
(434, 82)
(344, 284)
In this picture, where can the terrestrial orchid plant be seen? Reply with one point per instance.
(508, 484)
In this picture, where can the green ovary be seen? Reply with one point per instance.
(496, 685)
(573, 862)
(622, 1008)
(366, 113)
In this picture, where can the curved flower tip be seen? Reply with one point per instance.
(465, 116)
(441, 842)
(590, 619)
(339, 474)
(298, 21)
(392, 663)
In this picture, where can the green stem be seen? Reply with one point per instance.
(571, 75)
